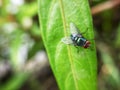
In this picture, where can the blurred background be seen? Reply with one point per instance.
(23, 60)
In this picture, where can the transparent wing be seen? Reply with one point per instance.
(73, 29)
(67, 40)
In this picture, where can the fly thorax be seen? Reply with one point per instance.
(73, 36)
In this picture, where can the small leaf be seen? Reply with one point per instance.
(73, 70)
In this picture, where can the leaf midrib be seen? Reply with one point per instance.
(68, 47)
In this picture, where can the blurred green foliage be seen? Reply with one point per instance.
(19, 26)
(20, 39)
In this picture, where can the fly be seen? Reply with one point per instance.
(76, 38)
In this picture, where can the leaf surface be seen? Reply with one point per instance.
(73, 70)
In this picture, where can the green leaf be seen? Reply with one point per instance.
(73, 70)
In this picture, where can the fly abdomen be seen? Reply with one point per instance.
(80, 41)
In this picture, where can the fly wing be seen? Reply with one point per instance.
(67, 40)
(73, 29)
